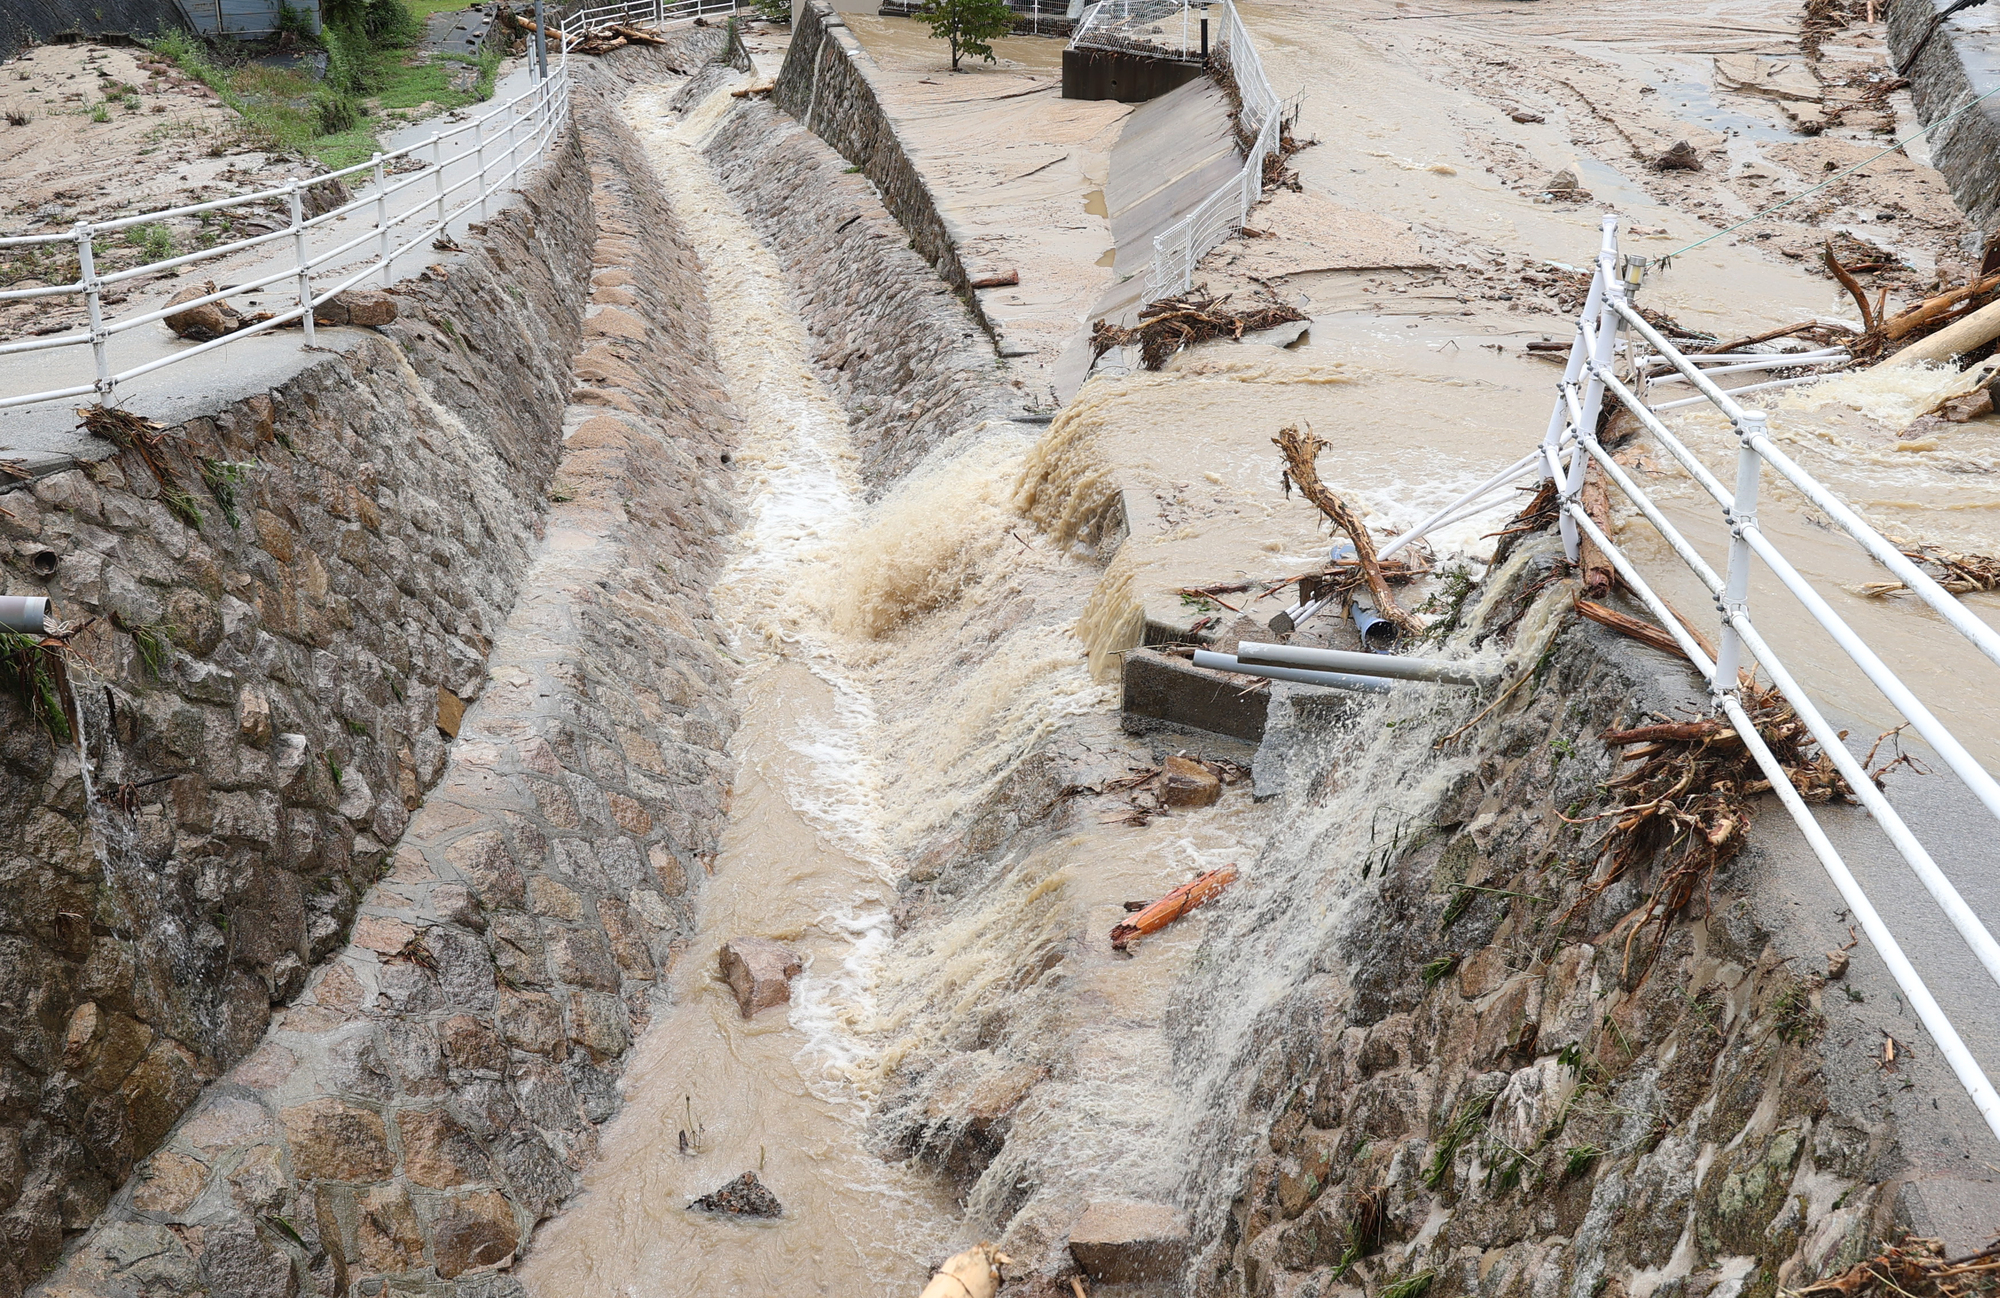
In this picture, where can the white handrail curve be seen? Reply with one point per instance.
(501, 143)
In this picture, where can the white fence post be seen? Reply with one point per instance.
(382, 221)
(437, 173)
(479, 134)
(93, 304)
(1736, 581)
(299, 259)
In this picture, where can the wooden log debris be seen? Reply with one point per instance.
(1198, 891)
(1301, 451)
(1172, 323)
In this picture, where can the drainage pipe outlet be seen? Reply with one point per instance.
(1343, 660)
(1333, 680)
(27, 614)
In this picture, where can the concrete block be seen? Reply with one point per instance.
(1160, 687)
(1122, 1241)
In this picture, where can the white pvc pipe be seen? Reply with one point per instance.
(1335, 680)
(25, 614)
(1343, 660)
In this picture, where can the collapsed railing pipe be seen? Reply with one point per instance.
(1333, 680)
(1343, 660)
(24, 614)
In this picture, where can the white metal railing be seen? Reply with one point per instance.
(1570, 443)
(1163, 28)
(1181, 246)
(414, 194)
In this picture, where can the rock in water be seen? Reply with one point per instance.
(759, 971)
(1120, 1242)
(743, 1197)
(1189, 784)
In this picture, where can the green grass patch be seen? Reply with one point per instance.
(373, 72)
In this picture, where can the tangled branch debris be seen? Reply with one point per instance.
(598, 40)
(1301, 451)
(131, 432)
(1687, 802)
(1961, 574)
(1172, 323)
(1912, 1268)
(1147, 789)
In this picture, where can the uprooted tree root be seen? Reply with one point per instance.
(1688, 804)
(1172, 323)
(1912, 1268)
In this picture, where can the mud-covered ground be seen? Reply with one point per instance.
(1499, 133)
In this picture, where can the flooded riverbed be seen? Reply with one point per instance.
(903, 659)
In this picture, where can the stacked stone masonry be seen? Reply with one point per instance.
(900, 351)
(1493, 1082)
(434, 1091)
(827, 83)
(260, 690)
(1952, 67)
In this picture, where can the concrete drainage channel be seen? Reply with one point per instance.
(444, 755)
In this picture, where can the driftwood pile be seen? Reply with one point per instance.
(598, 40)
(1961, 574)
(1172, 323)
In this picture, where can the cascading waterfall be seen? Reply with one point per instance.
(1361, 793)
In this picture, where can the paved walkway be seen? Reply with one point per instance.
(45, 437)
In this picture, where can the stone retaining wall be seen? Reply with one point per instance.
(1487, 1076)
(898, 348)
(433, 1092)
(259, 691)
(1943, 79)
(828, 83)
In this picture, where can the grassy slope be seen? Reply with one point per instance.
(290, 111)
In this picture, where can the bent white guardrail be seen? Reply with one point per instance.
(414, 195)
(1570, 442)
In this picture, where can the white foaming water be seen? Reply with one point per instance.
(897, 662)
(1269, 950)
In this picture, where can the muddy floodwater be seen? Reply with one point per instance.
(900, 656)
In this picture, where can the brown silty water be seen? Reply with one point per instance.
(902, 658)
